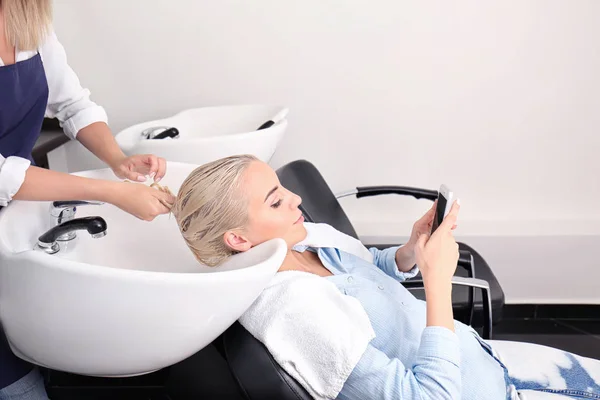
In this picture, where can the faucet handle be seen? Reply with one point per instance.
(48, 241)
(57, 207)
(64, 210)
(74, 203)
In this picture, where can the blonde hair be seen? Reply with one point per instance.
(209, 204)
(27, 22)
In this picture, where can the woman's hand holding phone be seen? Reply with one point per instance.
(437, 258)
(437, 255)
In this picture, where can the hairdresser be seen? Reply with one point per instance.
(36, 81)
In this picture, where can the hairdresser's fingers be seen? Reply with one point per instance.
(161, 169)
(129, 173)
(167, 197)
(151, 164)
(165, 204)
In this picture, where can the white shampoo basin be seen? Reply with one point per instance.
(129, 303)
(207, 134)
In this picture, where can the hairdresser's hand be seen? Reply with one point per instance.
(142, 201)
(437, 256)
(135, 168)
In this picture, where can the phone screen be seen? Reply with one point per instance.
(439, 212)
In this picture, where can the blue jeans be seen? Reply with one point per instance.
(29, 387)
(19, 380)
(541, 372)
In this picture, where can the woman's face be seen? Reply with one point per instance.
(272, 210)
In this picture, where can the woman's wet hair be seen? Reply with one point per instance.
(210, 203)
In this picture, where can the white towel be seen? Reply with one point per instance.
(314, 332)
(323, 235)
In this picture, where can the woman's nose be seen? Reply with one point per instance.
(296, 201)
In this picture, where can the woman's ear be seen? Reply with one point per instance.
(236, 242)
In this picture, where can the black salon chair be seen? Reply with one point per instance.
(478, 298)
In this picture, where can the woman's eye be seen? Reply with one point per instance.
(277, 204)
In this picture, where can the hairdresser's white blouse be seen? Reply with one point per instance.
(67, 101)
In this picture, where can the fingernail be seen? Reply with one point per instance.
(141, 178)
(157, 180)
(152, 175)
(458, 201)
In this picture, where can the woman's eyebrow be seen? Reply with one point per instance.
(271, 192)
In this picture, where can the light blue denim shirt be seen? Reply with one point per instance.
(407, 359)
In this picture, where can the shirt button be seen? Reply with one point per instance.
(380, 287)
(350, 279)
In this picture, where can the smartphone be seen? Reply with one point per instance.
(444, 204)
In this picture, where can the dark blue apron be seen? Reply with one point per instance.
(23, 101)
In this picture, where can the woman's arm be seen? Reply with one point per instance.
(394, 262)
(139, 200)
(98, 139)
(438, 291)
(437, 257)
(84, 120)
(405, 258)
(400, 262)
(21, 181)
(68, 101)
(439, 304)
(405, 255)
(12, 175)
(45, 185)
(435, 374)
(436, 370)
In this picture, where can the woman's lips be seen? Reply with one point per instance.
(299, 220)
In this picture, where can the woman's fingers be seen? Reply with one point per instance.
(422, 240)
(420, 249)
(450, 219)
(420, 245)
(430, 213)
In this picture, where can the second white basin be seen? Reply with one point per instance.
(130, 303)
(210, 133)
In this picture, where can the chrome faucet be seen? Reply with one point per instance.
(47, 242)
(63, 211)
(160, 132)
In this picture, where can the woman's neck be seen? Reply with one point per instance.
(306, 261)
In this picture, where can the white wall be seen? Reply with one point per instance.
(497, 99)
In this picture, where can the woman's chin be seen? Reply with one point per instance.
(296, 235)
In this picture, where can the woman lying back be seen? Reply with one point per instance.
(419, 351)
